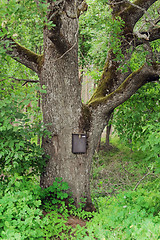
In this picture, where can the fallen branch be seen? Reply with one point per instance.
(141, 180)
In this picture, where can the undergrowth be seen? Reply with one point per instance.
(125, 191)
(128, 215)
(119, 169)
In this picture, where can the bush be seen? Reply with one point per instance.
(20, 213)
(53, 197)
(19, 209)
(18, 154)
(137, 123)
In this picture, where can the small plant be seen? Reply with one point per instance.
(20, 215)
(55, 227)
(57, 198)
(129, 215)
(54, 197)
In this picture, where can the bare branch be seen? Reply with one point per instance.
(141, 180)
(151, 35)
(17, 79)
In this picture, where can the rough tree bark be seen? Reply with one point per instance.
(57, 69)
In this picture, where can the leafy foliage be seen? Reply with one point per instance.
(19, 152)
(22, 16)
(130, 215)
(57, 198)
(98, 34)
(20, 213)
(137, 122)
(53, 197)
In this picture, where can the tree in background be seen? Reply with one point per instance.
(57, 69)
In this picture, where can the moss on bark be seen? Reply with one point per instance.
(29, 55)
(106, 83)
(103, 99)
(85, 119)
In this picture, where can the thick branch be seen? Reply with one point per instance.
(59, 41)
(80, 10)
(127, 88)
(131, 12)
(24, 56)
(151, 35)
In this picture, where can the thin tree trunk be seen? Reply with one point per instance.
(108, 131)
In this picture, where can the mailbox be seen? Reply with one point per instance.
(79, 143)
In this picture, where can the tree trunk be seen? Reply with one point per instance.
(62, 107)
(108, 131)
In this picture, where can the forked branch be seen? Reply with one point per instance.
(130, 12)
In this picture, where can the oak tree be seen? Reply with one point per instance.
(57, 69)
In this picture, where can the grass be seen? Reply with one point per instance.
(118, 169)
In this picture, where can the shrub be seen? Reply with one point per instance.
(21, 216)
(54, 196)
(19, 210)
(18, 154)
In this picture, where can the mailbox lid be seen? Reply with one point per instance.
(79, 143)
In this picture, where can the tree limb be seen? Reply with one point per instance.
(141, 180)
(54, 34)
(80, 10)
(130, 12)
(132, 83)
(152, 35)
(57, 9)
(17, 79)
(23, 55)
